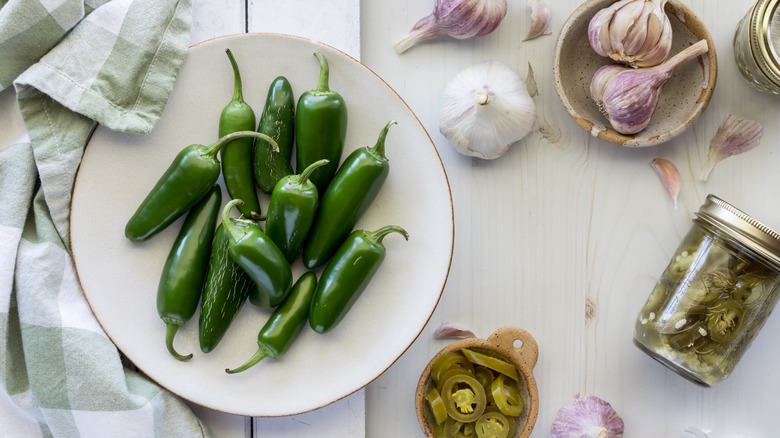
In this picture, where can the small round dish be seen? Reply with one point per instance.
(512, 344)
(682, 100)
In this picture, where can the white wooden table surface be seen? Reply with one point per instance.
(565, 222)
(563, 226)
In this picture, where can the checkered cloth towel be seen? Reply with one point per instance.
(73, 64)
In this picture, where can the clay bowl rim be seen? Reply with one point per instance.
(692, 22)
(524, 359)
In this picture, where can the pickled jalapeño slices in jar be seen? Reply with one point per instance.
(714, 296)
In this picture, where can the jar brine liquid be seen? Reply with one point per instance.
(714, 296)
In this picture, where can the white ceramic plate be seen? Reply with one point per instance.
(120, 278)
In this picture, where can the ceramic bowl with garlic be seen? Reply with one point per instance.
(481, 387)
(635, 72)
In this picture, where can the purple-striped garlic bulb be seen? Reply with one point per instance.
(628, 97)
(460, 19)
(587, 417)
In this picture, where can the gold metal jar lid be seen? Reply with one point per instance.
(744, 229)
(764, 34)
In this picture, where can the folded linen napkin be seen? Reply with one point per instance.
(74, 64)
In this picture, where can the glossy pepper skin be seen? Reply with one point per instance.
(237, 168)
(320, 128)
(226, 290)
(189, 177)
(278, 122)
(352, 190)
(285, 324)
(258, 256)
(347, 275)
(184, 273)
(291, 211)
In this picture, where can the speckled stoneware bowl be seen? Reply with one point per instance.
(682, 99)
(512, 344)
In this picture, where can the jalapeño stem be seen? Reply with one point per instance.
(232, 231)
(261, 353)
(322, 84)
(238, 94)
(380, 234)
(212, 149)
(171, 327)
(379, 147)
(304, 176)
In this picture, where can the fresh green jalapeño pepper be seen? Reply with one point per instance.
(184, 273)
(190, 176)
(347, 275)
(258, 256)
(237, 169)
(320, 128)
(278, 122)
(291, 211)
(352, 190)
(226, 290)
(285, 324)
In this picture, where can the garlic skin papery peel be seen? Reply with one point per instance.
(734, 136)
(486, 108)
(540, 15)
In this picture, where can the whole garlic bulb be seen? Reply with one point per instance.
(634, 32)
(628, 97)
(587, 417)
(486, 108)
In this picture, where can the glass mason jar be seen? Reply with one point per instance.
(714, 296)
(757, 46)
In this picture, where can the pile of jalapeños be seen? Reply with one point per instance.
(220, 262)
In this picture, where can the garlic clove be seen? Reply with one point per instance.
(733, 137)
(658, 45)
(633, 32)
(599, 40)
(486, 108)
(628, 97)
(540, 19)
(598, 29)
(658, 30)
(670, 177)
(642, 32)
(459, 19)
(623, 20)
(600, 80)
(450, 330)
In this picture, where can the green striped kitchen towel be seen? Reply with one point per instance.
(74, 64)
